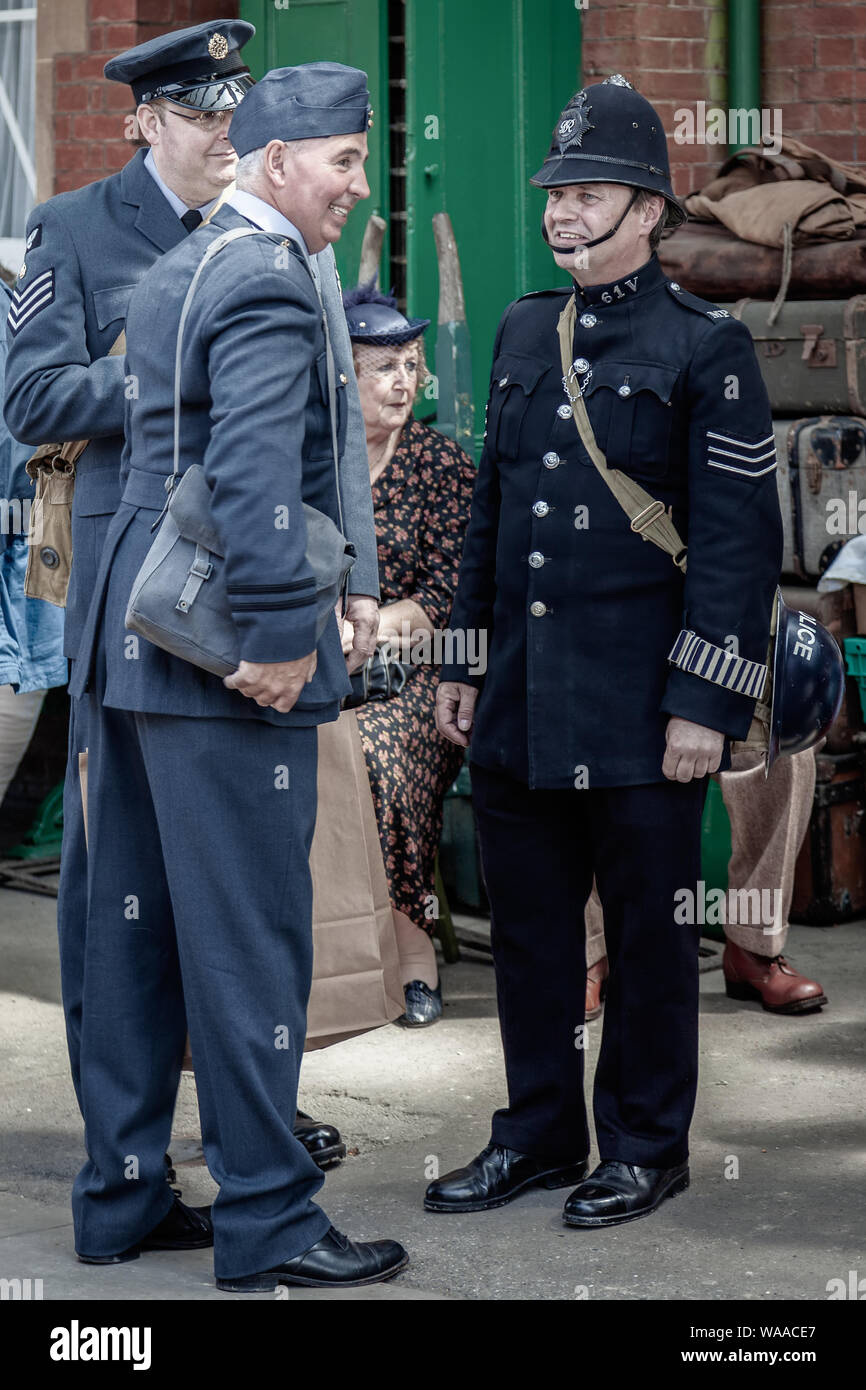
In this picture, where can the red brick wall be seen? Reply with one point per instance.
(89, 112)
(813, 69)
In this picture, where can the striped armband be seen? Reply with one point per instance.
(701, 658)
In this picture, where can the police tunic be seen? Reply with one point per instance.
(580, 612)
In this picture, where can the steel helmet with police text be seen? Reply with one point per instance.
(808, 682)
(609, 133)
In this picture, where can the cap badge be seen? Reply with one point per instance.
(218, 46)
(574, 123)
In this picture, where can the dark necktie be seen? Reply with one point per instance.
(191, 219)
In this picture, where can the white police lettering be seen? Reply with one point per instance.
(617, 292)
(805, 637)
(718, 314)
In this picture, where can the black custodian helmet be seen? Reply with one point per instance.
(609, 133)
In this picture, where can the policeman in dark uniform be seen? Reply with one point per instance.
(86, 250)
(590, 750)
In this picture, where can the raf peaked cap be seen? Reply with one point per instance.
(200, 67)
(301, 103)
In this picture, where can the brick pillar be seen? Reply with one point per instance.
(89, 117)
(675, 55)
(813, 69)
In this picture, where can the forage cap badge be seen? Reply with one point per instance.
(218, 46)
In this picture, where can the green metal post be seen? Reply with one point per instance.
(744, 59)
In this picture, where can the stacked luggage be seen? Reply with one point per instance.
(812, 353)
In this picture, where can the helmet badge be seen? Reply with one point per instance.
(574, 123)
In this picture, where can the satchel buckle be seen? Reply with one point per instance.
(201, 570)
(646, 517)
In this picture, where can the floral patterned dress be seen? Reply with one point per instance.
(421, 502)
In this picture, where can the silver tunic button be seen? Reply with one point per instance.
(503, 379)
(674, 285)
(580, 365)
(563, 411)
(538, 609)
(540, 509)
(551, 460)
(536, 559)
(588, 320)
(624, 390)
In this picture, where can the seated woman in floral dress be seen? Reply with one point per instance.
(422, 487)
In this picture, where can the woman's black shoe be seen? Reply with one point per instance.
(183, 1228)
(423, 1005)
(617, 1192)
(333, 1262)
(497, 1176)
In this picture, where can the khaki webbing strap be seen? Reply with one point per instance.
(646, 515)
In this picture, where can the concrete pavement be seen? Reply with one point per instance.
(776, 1208)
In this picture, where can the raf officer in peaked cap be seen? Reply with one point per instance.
(590, 748)
(203, 791)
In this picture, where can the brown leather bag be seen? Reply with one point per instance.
(49, 556)
(52, 469)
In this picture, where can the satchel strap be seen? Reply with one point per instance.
(214, 249)
(648, 516)
(200, 570)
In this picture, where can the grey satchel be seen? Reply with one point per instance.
(178, 599)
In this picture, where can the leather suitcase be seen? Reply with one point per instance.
(830, 876)
(822, 479)
(711, 262)
(813, 358)
(786, 500)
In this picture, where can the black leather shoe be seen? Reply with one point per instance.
(423, 1005)
(183, 1228)
(322, 1142)
(333, 1262)
(497, 1176)
(617, 1192)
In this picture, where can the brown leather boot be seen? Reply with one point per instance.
(596, 987)
(780, 988)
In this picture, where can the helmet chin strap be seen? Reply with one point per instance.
(599, 239)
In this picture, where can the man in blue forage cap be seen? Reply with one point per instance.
(86, 250)
(591, 736)
(204, 789)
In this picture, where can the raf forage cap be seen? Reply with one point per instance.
(300, 103)
(200, 67)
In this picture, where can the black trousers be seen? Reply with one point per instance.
(539, 851)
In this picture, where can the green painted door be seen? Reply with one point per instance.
(477, 88)
(485, 83)
(340, 31)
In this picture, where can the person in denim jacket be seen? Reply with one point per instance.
(31, 632)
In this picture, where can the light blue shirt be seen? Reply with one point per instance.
(174, 201)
